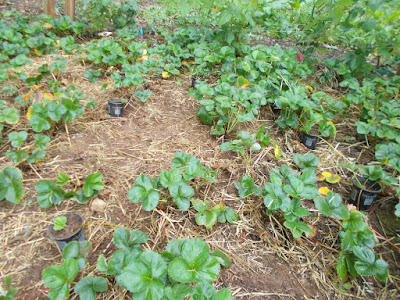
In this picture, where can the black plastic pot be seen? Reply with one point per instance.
(310, 140)
(77, 235)
(194, 81)
(115, 107)
(364, 192)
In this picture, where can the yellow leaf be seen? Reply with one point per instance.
(48, 96)
(29, 113)
(314, 230)
(47, 26)
(244, 86)
(324, 175)
(37, 52)
(27, 96)
(184, 62)
(333, 125)
(309, 88)
(145, 57)
(58, 43)
(277, 150)
(144, 52)
(35, 87)
(165, 75)
(324, 191)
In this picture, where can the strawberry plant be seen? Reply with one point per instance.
(60, 223)
(185, 268)
(173, 183)
(208, 216)
(50, 193)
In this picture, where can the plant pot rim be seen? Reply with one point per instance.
(358, 181)
(312, 132)
(114, 101)
(69, 236)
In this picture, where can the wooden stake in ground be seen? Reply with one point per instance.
(48, 7)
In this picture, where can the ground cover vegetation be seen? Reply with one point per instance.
(235, 80)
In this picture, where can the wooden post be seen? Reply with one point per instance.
(48, 7)
(70, 9)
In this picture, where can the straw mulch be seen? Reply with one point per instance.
(267, 263)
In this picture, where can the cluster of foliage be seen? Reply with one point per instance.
(175, 185)
(185, 268)
(286, 192)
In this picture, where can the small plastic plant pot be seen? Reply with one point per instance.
(115, 107)
(310, 140)
(194, 82)
(72, 233)
(364, 192)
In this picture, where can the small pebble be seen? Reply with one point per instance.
(98, 205)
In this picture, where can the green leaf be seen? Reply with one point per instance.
(223, 294)
(298, 228)
(227, 215)
(180, 195)
(332, 206)
(368, 264)
(17, 138)
(144, 191)
(143, 95)
(39, 123)
(222, 258)
(168, 179)
(195, 263)
(60, 223)
(87, 287)
(10, 116)
(55, 111)
(355, 222)
(62, 179)
(341, 267)
(78, 251)
(246, 187)
(17, 155)
(41, 141)
(145, 276)
(93, 183)
(129, 240)
(308, 160)
(11, 185)
(178, 291)
(59, 278)
(204, 116)
(37, 155)
(48, 193)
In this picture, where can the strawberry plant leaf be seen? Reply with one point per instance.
(332, 206)
(143, 95)
(48, 193)
(223, 294)
(227, 215)
(59, 278)
(144, 191)
(368, 264)
(246, 187)
(60, 223)
(37, 155)
(56, 111)
(180, 195)
(195, 263)
(78, 251)
(41, 141)
(87, 287)
(222, 258)
(39, 123)
(62, 179)
(298, 228)
(129, 240)
(92, 184)
(178, 291)
(9, 115)
(341, 267)
(11, 185)
(17, 138)
(145, 277)
(168, 179)
(308, 160)
(17, 156)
